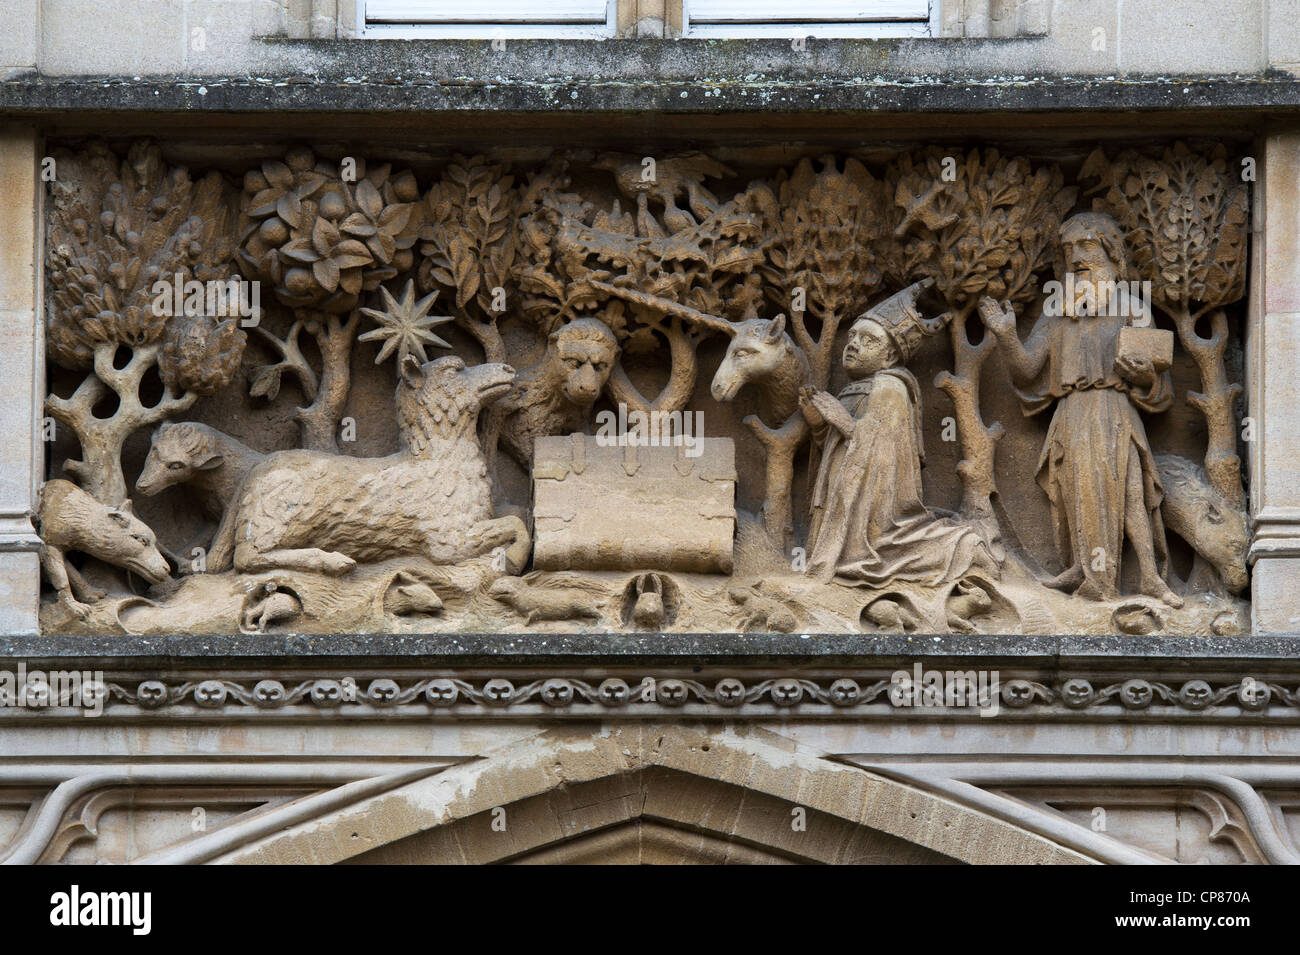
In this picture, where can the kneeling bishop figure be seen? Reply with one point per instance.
(869, 525)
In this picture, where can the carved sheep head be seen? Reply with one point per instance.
(176, 452)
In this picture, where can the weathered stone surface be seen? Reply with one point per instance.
(649, 508)
(623, 773)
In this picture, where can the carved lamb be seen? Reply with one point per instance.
(314, 511)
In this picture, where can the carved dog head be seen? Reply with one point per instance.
(759, 349)
(1198, 514)
(440, 400)
(130, 543)
(70, 519)
(177, 451)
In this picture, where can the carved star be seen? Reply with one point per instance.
(405, 326)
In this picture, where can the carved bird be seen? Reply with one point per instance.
(677, 220)
(666, 181)
(646, 224)
(922, 209)
(616, 221)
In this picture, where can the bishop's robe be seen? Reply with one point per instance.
(869, 526)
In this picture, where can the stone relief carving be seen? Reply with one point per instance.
(946, 394)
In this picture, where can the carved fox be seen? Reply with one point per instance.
(70, 519)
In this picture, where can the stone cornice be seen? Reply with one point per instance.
(779, 88)
(1279, 651)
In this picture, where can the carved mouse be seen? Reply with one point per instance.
(539, 603)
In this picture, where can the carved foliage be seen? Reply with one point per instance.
(319, 237)
(115, 230)
(1185, 217)
(468, 244)
(987, 231)
(822, 235)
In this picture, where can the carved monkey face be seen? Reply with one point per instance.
(868, 350)
(586, 365)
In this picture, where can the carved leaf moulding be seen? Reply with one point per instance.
(848, 695)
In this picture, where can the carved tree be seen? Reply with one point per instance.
(646, 274)
(1185, 216)
(982, 225)
(115, 229)
(821, 256)
(822, 239)
(320, 235)
(468, 244)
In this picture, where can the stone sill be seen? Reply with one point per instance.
(782, 90)
(1280, 653)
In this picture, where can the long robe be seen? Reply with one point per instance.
(869, 525)
(1095, 444)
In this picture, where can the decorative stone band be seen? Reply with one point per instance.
(845, 697)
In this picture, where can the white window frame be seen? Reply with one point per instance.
(807, 23)
(512, 20)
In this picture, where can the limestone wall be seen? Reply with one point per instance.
(973, 37)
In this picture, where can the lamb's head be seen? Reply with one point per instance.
(760, 349)
(440, 400)
(177, 451)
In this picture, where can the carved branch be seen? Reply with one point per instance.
(780, 445)
(1215, 401)
(802, 338)
(292, 359)
(978, 441)
(681, 376)
(99, 470)
(319, 422)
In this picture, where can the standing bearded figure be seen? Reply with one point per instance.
(1096, 466)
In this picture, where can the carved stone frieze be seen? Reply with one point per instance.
(933, 391)
(855, 695)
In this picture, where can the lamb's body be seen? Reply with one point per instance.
(368, 508)
(309, 510)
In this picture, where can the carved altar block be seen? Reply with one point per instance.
(634, 508)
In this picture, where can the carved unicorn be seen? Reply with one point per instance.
(762, 354)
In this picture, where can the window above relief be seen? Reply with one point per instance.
(487, 19)
(807, 18)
